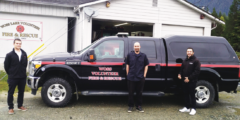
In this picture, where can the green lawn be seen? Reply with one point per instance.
(4, 84)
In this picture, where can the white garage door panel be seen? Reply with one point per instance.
(168, 30)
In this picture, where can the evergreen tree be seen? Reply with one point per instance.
(220, 28)
(235, 34)
(207, 9)
(232, 23)
(225, 17)
(220, 15)
(214, 13)
(223, 26)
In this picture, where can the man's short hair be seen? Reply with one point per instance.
(135, 43)
(190, 48)
(16, 39)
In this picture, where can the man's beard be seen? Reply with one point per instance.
(137, 50)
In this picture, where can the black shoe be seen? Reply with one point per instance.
(139, 108)
(130, 109)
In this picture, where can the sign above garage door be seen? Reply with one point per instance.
(169, 30)
(25, 30)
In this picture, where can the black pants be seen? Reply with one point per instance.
(189, 95)
(138, 87)
(12, 83)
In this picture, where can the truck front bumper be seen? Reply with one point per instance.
(32, 82)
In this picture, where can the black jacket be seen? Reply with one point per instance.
(13, 67)
(190, 68)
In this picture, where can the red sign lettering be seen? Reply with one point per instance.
(105, 68)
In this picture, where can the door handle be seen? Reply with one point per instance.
(124, 67)
(157, 67)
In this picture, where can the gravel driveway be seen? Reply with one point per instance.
(114, 108)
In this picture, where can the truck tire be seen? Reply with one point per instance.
(56, 92)
(204, 93)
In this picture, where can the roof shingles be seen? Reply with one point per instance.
(70, 3)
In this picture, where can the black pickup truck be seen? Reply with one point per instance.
(99, 69)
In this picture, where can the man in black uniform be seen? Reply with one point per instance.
(136, 68)
(189, 72)
(15, 65)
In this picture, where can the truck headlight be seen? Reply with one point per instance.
(33, 66)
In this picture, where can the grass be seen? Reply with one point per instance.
(4, 84)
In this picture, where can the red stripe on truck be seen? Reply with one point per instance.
(102, 63)
(46, 63)
(150, 64)
(202, 65)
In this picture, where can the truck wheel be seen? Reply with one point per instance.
(204, 93)
(56, 92)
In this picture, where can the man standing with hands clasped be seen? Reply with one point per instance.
(15, 65)
(189, 72)
(136, 68)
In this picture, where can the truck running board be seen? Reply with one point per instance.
(118, 93)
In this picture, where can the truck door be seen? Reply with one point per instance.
(155, 80)
(106, 73)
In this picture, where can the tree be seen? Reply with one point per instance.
(232, 25)
(235, 35)
(214, 13)
(220, 28)
(220, 15)
(207, 9)
(225, 17)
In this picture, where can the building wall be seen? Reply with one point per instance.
(172, 12)
(168, 12)
(55, 26)
(128, 10)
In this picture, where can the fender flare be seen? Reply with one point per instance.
(218, 79)
(211, 70)
(65, 68)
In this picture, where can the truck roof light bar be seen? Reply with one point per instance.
(122, 34)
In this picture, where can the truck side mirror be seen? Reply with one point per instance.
(157, 67)
(91, 55)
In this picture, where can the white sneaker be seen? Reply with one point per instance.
(193, 112)
(184, 110)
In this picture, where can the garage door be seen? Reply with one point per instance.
(169, 30)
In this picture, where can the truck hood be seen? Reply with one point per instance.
(60, 56)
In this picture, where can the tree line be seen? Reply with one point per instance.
(231, 29)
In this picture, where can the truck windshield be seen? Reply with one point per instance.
(86, 48)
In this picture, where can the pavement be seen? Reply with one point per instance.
(115, 108)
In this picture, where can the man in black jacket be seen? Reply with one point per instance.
(190, 70)
(15, 65)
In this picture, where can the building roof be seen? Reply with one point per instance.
(64, 3)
